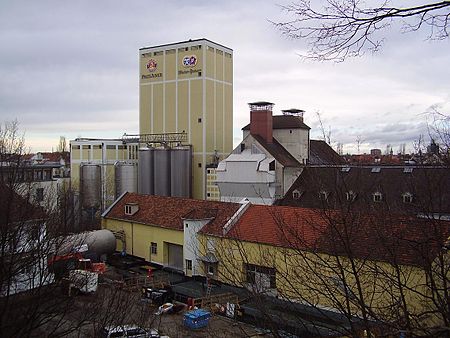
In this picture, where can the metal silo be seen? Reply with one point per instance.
(181, 171)
(146, 171)
(162, 171)
(91, 186)
(125, 177)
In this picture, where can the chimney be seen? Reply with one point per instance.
(294, 112)
(261, 120)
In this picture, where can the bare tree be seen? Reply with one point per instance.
(62, 145)
(346, 28)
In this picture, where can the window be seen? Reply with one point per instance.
(407, 170)
(127, 209)
(188, 264)
(377, 196)
(39, 194)
(376, 170)
(260, 276)
(350, 195)
(199, 73)
(199, 120)
(296, 194)
(111, 147)
(407, 197)
(242, 147)
(199, 165)
(323, 195)
(154, 248)
(272, 165)
(75, 147)
(210, 269)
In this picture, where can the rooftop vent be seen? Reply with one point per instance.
(408, 170)
(345, 169)
(375, 170)
(293, 112)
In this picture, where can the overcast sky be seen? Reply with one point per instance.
(71, 68)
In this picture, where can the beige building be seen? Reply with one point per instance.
(104, 153)
(188, 87)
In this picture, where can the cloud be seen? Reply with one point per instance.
(72, 68)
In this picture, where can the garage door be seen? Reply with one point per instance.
(175, 256)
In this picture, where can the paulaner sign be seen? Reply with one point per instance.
(151, 66)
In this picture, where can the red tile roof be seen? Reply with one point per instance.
(406, 241)
(168, 212)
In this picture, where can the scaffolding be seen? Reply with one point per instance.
(164, 138)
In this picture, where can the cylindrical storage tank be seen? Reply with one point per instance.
(181, 171)
(125, 177)
(98, 242)
(162, 171)
(146, 171)
(90, 185)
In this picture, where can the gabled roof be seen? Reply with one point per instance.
(278, 152)
(169, 212)
(322, 154)
(428, 186)
(408, 241)
(285, 122)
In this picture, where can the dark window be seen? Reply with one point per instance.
(188, 264)
(377, 197)
(208, 194)
(199, 120)
(199, 73)
(39, 194)
(407, 197)
(154, 248)
(256, 273)
(242, 147)
(272, 165)
(199, 165)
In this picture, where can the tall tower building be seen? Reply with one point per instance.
(188, 86)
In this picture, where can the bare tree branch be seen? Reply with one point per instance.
(347, 28)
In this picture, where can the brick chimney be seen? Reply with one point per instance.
(261, 120)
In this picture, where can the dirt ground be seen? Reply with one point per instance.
(219, 326)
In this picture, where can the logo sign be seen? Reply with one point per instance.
(151, 65)
(189, 61)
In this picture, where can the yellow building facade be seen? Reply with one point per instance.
(188, 87)
(151, 243)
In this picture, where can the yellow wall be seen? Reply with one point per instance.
(140, 236)
(174, 96)
(315, 278)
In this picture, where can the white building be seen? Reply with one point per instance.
(268, 160)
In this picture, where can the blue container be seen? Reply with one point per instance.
(196, 319)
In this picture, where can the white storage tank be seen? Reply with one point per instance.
(162, 171)
(90, 186)
(181, 171)
(125, 177)
(146, 171)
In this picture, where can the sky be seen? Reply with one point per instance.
(70, 68)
